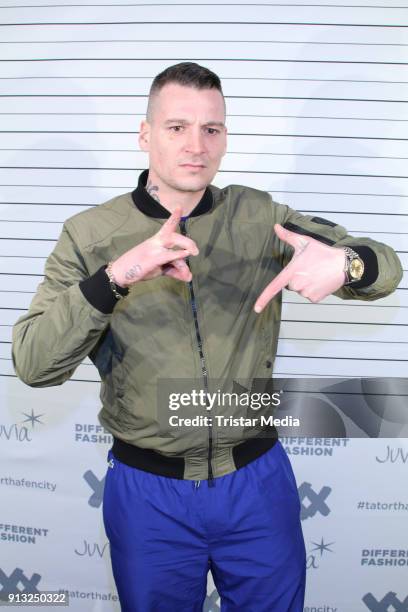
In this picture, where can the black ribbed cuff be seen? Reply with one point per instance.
(98, 292)
(370, 273)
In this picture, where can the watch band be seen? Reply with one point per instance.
(350, 257)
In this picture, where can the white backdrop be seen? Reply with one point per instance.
(316, 97)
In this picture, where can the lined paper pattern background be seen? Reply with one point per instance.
(317, 115)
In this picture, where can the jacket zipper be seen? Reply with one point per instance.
(204, 371)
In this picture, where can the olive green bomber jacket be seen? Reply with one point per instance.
(167, 329)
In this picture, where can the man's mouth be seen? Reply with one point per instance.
(188, 165)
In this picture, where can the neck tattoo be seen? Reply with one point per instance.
(152, 190)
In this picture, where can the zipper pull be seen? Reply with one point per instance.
(183, 228)
(110, 463)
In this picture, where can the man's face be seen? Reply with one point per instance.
(185, 137)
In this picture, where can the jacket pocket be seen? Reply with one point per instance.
(277, 479)
(112, 387)
(269, 347)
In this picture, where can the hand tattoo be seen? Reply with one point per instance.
(152, 190)
(133, 272)
(303, 246)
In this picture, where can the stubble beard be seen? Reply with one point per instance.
(188, 186)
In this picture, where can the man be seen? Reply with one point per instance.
(181, 280)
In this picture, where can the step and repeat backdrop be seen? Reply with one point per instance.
(316, 97)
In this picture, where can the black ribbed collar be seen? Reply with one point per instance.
(150, 207)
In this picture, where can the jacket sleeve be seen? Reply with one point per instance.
(382, 267)
(66, 317)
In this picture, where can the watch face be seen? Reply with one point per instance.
(356, 269)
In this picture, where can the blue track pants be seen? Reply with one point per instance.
(165, 535)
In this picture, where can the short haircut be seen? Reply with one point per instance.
(187, 74)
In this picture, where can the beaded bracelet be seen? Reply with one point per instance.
(112, 282)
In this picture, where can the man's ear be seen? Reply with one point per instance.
(225, 143)
(144, 135)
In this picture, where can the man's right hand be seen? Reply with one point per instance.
(157, 256)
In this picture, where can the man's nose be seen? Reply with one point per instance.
(195, 142)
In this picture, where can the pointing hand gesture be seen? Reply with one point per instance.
(315, 270)
(162, 254)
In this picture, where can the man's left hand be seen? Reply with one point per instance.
(315, 270)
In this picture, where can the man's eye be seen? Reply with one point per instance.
(176, 128)
(213, 131)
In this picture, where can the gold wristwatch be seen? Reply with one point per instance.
(354, 266)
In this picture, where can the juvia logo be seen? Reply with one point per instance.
(312, 559)
(390, 601)
(19, 432)
(97, 487)
(32, 418)
(17, 582)
(92, 550)
(393, 455)
(316, 500)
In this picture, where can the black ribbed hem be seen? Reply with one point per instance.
(370, 260)
(173, 467)
(147, 459)
(98, 292)
(252, 449)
